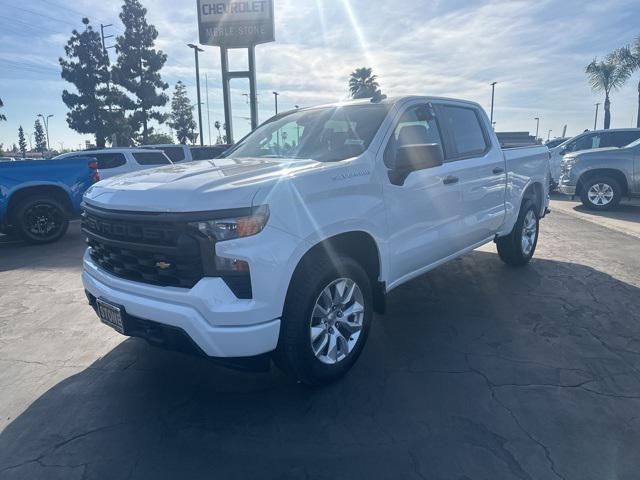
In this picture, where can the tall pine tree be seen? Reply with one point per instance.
(39, 137)
(138, 67)
(182, 114)
(22, 143)
(86, 66)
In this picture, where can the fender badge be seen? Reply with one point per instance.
(163, 265)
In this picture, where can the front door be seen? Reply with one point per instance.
(423, 211)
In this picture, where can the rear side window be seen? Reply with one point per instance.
(175, 154)
(622, 139)
(206, 153)
(466, 135)
(151, 158)
(110, 160)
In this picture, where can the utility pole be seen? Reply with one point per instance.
(197, 49)
(45, 120)
(493, 92)
(275, 96)
(537, 119)
(549, 135)
(206, 86)
(595, 122)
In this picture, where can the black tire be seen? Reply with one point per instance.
(40, 219)
(510, 248)
(603, 183)
(294, 354)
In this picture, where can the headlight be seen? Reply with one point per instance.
(236, 227)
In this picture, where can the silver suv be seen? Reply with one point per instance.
(601, 177)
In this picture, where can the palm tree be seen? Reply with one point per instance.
(629, 56)
(606, 76)
(363, 84)
(2, 117)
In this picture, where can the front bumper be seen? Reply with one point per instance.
(217, 322)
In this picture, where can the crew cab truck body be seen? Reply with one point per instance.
(285, 247)
(38, 197)
(603, 176)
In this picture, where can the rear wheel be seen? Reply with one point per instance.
(40, 219)
(326, 320)
(600, 193)
(517, 248)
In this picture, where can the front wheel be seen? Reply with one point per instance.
(517, 248)
(40, 220)
(326, 320)
(600, 193)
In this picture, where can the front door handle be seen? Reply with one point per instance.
(498, 170)
(450, 179)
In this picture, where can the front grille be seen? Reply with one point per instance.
(142, 249)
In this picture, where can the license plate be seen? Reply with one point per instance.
(111, 315)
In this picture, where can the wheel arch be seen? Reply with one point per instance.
(359, 245)
(535, 192)
(54, 191)
(614, 173)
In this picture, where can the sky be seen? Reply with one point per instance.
(535, 50)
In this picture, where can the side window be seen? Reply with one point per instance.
(588, 142)
(416, 126)
(110, 160)
(151, 158)
(175, 154)
(464, 129)
(622, 139)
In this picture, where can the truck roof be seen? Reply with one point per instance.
(391, 101)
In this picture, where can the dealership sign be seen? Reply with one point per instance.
(235, 23)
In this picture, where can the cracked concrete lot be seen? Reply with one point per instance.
(478, 371)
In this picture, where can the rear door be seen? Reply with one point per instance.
(111, 164)
(481, 170)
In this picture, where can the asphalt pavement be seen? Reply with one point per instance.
(477, 371)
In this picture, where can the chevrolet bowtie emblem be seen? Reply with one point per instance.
(163, 265)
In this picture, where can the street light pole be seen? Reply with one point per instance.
(537, 119)
(493, 93)
(549, 135)
(197, 49)
(595, 122)
(275, 96)
(206, 84)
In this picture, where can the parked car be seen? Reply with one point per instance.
(186, 153)
(116, 161)
(38, 198)
(285, 249)
(601, 177)
(618, 137)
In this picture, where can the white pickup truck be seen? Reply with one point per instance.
(286, 247)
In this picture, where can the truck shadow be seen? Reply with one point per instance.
(435, 385)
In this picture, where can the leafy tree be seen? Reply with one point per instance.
(138, 67)
(629, 57)
(39, 137)
(182, 114)
(87, 67)
(606, 76)
(1, 149)
(363, 84)
(2, 117)
(14, 148)
(22, 143)
(160, 138)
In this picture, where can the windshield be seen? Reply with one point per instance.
(324, 134)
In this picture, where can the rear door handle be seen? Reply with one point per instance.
(450, 179)
(498, 170)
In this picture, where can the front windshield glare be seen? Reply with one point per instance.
(324, 134)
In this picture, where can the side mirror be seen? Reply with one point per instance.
(410, 158)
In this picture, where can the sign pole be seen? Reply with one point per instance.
(252, 87)
(226, 94)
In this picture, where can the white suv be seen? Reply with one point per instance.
(285, 248)
(117, 161)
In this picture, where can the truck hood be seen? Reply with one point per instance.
(592, 152)
(195, 186)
